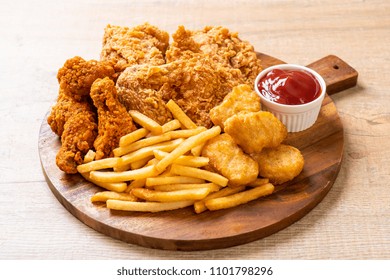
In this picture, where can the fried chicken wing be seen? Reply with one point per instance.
(242, 98)
(113, 119)
(73, 117)
(280, 164)
(77, 75)
(230, 161)
(142, 44)
(253, 131)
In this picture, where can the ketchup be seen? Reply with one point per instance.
(290, 87)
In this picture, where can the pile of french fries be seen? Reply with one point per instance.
(160, 167)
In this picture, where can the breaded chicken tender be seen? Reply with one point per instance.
(114, 121)
(124, 46)
(226, 158)
(280, 164)
(77, 75)
(253, 131)
(242, 98)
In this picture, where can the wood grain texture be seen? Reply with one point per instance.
(322, 147)
(351, 222)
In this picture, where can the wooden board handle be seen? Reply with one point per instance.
(338, 75)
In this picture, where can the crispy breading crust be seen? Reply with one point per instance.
(280, 164)
(73, 117)
(77, 75)
(124, 46)
(113, 119)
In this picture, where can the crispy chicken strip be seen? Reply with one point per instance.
(113, 119)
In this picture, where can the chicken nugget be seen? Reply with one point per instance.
(253, 131)
(241, 98)
(280, 164)
(226, 158)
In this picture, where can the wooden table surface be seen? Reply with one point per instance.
(36, 37)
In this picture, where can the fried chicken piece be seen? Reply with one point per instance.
(78, 135)
(242, 98)
(193, 84)
(280, 164)
(73, 117)
(253, 131)
(226, 49)
(226, 158)
(77, 75)
(142, 44)
(65, 107)
(113, 119)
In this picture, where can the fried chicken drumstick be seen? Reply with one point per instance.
(113, 119)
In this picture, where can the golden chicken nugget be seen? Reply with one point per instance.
(229, 160)
(253, 131)
(242, 98)
(280, 164)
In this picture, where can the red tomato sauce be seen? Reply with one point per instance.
(290, 87)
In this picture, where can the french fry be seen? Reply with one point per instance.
(199, 173)
(89, 156)
(106, 195)
(179, 114)
(113, 177)
(148, 151)
(140, 163)
(171, 125)
(146, 122)
(239, 198)
(258, 182)
(199, 206)
(98, 164)
(184, 160)
(132, 137)
(186, 146)
(196, 151)
(169, 180)
(139, 183)
(116, 187)
(171, 196)
(120, 151)
(146, 206)
(185, 133)
(175, 187)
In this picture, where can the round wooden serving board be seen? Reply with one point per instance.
(321, 146)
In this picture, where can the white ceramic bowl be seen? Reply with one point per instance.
(294, 117)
